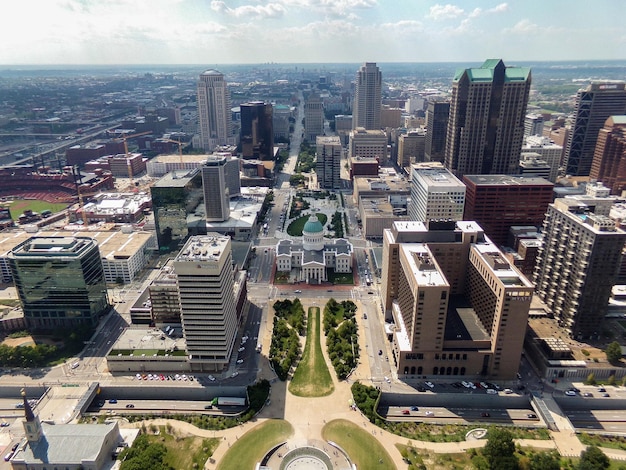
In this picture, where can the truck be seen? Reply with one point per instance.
(228, 401)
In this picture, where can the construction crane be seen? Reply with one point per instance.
(180, 148)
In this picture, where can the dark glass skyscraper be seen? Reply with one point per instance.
(60, 281)
(594, 105)
(257, 131)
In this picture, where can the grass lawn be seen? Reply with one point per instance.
(18, 207)
(184, 452)
(252, 446)
(295, 228)
(340, 278)
(434, 460)
(364, 449)
(312, 377)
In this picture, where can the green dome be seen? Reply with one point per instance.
(313, 225)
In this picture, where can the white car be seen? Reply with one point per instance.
(211, 378)
(570, 393)
(429, 384)
(298, 291)
(239, 361)
(241, 349)
(491, 391)
(388, 380)
(234, 374)
(508, 391)
(429, 413)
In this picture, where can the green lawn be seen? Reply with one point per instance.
(340, 278)
(184, 452)
(18, 207)
(364, 449)
(312, 377)
(295, 228)
(252, 446)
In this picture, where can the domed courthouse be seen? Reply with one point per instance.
(308, 261)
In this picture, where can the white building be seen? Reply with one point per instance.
(368, 143)
(311, 258)
(436, 194)
(549, 151)
(204, 271)
(214, 111)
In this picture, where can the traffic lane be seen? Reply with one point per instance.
(143, 406)
(607, 420)
(461, 415)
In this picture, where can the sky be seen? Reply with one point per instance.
(307, 31)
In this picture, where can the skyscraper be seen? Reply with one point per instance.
(367, 97)
(214, 112)
(609, 160)
(204, 272)
(578, 264)
(594, 105)
(328, 165)
(533, 124)
(313, 117)
(60, 281)
(437, 114)
(486, 124)
(257, 131)
(216, 195)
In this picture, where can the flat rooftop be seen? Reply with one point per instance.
(203, 248)
(507, 180)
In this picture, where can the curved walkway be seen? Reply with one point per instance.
(309, 415)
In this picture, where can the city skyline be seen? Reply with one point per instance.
(250, 31)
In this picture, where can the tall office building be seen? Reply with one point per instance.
(594, 105)
(204, 273)
(498, 202)
(280, 120)
(533, 124)
(609, 160)
(437, 114)
(328, 164)
(174, 197)
(436, 194)
(214, 113)
(257, 131)
(313, 117)
(216, 196)
(577, 265)
(458, 307)
(486, 124)
(60, 281)
(367, 97)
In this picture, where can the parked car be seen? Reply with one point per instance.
(414, 408)
(570, 393)
(112, 401)
(130, 405)
(406, 412)
(531, 416)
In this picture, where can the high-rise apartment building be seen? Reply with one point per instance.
(577, 265)
(437, 114)
(498, 202)
(214, 114)
(594, 105)
(533, 124)
(174, 197)
(549, 151)
(436, 194)
(257, 132)
(328, 164)
(60, 281)
(204, 273)
(609, 160)
(486, 124)
(313, 117)
(367, 97)
(458, 307)
(215, 189)
(411, 147)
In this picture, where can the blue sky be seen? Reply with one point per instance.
(256, 31)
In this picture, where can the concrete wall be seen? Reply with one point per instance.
(145, 392)
(455, 400)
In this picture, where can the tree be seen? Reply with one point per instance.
(593, 459)
(613, 352)
(591, 379)
(545, 461)
(500, 450)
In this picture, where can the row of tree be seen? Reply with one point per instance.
(289, 325)
(342, 336)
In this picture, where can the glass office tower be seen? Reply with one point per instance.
(60, 281)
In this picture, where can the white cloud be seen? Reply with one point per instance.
(271, 10)
(336, 8)
(502, 7)
(404, 26)
(524, 26)
(475, 13)
(443, 12)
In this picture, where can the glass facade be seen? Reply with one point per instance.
(174, 197)
(60, 281)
